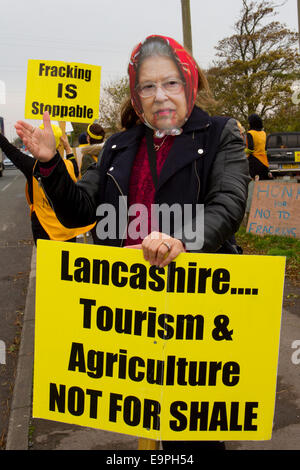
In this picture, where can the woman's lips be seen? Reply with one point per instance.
(164, 112)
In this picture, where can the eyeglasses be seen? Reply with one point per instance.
(172, 86)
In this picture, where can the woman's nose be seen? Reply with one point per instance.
(160, 94)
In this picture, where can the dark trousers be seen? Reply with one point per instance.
(258, 168)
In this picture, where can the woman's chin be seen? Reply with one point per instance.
(164, 124)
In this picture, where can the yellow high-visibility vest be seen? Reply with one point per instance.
(46, 214)
(259, 141)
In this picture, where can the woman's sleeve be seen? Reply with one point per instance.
(226, 197)
(74, 203)
(23, 162)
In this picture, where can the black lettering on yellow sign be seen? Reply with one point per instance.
(133, 411)
(216, 416)
(139, 322)
(76, 400)
(173, 278)
(147, 322)
(193, 416)
(62, 111)
(70, 92)
(65, 71)
(221, 332)
(172, 370)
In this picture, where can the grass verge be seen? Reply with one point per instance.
(273, 245)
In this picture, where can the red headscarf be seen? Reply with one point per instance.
(186, 65)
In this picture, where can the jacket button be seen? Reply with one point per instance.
(111, 168)
(113, 146)
(200, 151)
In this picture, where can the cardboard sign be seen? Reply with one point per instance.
(275, 209)
(186, 352)
(68, 91)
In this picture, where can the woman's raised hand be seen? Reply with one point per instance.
(40, 142)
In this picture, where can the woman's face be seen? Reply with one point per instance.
(166, 108)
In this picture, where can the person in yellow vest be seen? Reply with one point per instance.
(90, 153)
(44, 223)
(256, 149)
(69, 153)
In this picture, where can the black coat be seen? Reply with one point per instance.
(206, 165)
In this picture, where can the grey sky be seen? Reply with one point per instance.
(103, 32)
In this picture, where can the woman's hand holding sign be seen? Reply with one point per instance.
(40, 142)
(160, 249)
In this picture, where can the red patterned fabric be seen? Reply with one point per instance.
(184, 61)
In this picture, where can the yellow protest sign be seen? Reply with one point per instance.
(186, 352)
(68, 91)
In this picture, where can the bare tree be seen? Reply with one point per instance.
(257, 65)
(114, 94)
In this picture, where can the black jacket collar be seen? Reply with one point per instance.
(198, 119)
(183, 151)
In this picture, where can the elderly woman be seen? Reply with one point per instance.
(170, 152)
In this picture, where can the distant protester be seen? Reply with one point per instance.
(90, 152)
(82, 139)
(256, 149)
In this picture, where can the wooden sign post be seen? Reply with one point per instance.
(148, 444)
(61, 149)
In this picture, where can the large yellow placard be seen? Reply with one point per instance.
(68, 91)
(186, 352)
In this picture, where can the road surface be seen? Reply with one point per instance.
(15, 257)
